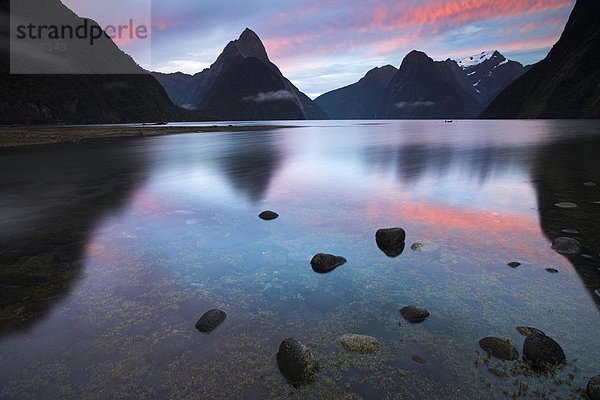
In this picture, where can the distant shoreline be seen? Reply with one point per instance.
(19, 136)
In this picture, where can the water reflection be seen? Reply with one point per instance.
(50, 203)
(188, 239)
(249, 162)
(475, 162)
(560, 174)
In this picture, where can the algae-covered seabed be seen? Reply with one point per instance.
(112, 251)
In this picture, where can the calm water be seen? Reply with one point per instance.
(110, 252)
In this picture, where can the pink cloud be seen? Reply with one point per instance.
(455, 13)
(386, 29)
(165, 24)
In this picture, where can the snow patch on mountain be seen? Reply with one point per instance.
(502, 63)
(477, 59)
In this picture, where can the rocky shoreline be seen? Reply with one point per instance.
(17, 136)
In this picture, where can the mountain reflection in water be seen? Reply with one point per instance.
(111, 250)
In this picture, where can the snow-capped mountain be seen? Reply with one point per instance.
(425, 89)
(490, 72)
(477, 59)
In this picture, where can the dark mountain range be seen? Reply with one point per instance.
(425, 89)
(242, 84)
(359, 100)
(58, 93)
(566, 84)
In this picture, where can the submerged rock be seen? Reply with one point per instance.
(360, 344)
(391, 241)
(499, 348)
(296, 362)
(325, 263)
(566, 246)
(552, 270)
(427, 248)
(418, 359)
(528, 331)
(542, 351)
(414, 314)
(593, 388)
(268, 215)
(210, 320)
(566, 204)
(514, 264)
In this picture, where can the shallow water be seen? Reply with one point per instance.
(111, 250)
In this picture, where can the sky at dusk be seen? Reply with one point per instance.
(325, 44)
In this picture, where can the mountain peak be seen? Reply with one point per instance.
(384, 74)
(416, 62)
(416, 55)
(477, 59)
(250, 45)
(249, 35)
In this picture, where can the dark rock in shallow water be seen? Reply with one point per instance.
(296, 362)
(552, 270)
(542, 351)
(391, 241)
(418, 359)
(593, 388)
(499, 348)
(210, 320)
(325, 263)
(528, 331)
(566, 246)
(514, 264)
(360, 344)
(268, 215)
(414, 314)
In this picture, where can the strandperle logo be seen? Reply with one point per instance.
(98, 37)
(86, 30)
